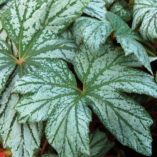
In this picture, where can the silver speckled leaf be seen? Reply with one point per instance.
(53, 95)
(7, 64)
(128, 40)
(22, 139)
(145, 18)
(99, 145)
(34, 27)
(97, 8)
(94, 32)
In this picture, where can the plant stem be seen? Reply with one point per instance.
(43, 148)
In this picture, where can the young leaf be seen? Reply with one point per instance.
(55, 96)
(94, 32)
(145, 13)
(22, 139)
(128, 40)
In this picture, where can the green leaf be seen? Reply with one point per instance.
(6, 64)
(145, 13)
(3, 1)
(34, 37)
(97, 8)
(128, 40)
(68, 117)
(54, 95)
(22, 139)
(53, 17)
(99, 144)
(35, 26)
(5, 6)
(124, 12)
(94, 32)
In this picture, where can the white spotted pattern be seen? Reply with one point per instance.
(22, 139)
(55, 97)
(94, 32)
(51, 93)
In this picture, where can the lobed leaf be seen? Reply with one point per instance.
(55, 96)
(34, 26)
(22, 139)
(56, 99)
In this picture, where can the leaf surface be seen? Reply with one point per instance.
(94, 32)
(22, 139)
(128, 40)
(96, 8)
(7, 65)
(99, 144)
(55, 96)
(145, 13)
(35, 26)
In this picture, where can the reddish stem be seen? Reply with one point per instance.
(43, 148)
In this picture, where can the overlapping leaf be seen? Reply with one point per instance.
(145, 18)
(123, 12)
(67, 127)
(128, 40)
(53, 94)
(3, 1)
(94, 32)
(99, 145)
(97, 8)
(52, 17)
(22, 139)
(34, 27)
